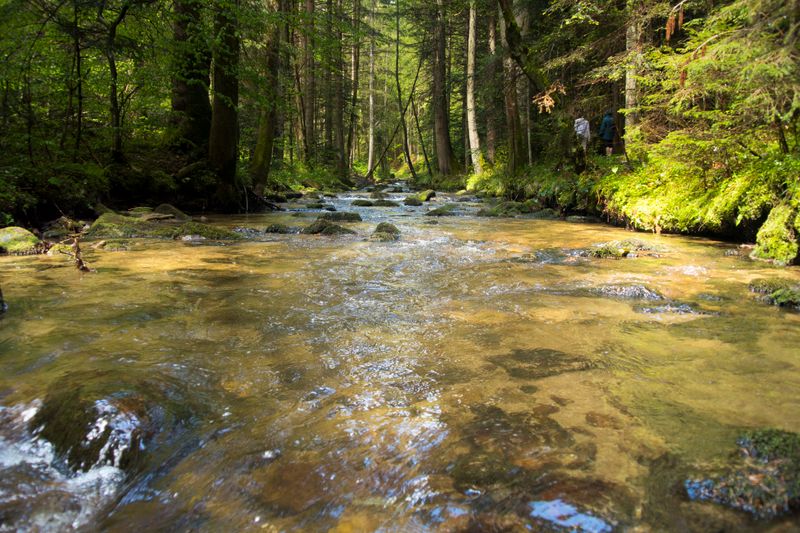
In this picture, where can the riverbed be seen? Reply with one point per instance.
(477, 373)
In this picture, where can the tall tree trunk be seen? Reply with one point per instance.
(79, 88)
(445, 159)
(371, 134)
(284, 75)
(309, 70)
(190, 105)
(472, 126)
(355, 63)
(328, 84)
(400, 105)
(338, 100)
(223, 142)
(515, 140)
(265, 140)
(113, 93)
(419, 133)
(491, 75)
(633, 45)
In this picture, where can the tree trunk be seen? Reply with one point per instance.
(472, 126)
(633, 45)
(400, 105)
(190, 105)
(419, 133)
(516, 143)
(371, 134)
(355, 63)
(445, 159)
(338, 101)
(491, 75)
(309, 122)
(223, 142)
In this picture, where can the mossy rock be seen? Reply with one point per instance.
(60, 250)
(425, 196)
(510, 209)
(620, 249)
(280, 228)
(447, 210)
(412, 201)
(167, 209)
(315, 205)
(324, 227)
(117, 245)
(341, 216)
(545, 214)
(385, 227)
(377, 195)
(140, 210)
(780, 292)
(100, 209)
(763, 481)
(385, 203)
(777, 239)
(19, 241)
(293, 195)
(275, 197)
(113, 226)
(361, 203)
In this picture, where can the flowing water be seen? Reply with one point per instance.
(477, 373)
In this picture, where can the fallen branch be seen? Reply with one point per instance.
(80, 264)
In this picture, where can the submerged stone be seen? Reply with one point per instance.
(342, 216)
(764, 481)
(628, 292)
(324, 227)
(19, 241)
(540, 363)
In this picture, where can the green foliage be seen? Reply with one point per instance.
(776, 240)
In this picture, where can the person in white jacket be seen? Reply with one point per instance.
(583, 132)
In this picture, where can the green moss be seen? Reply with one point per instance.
(140, 210)
(279, 228)
(361, 203)
(447, 210)
(167, 209)
(620, 249)
(111, 225)
(324, 227)
(425, 196)
(780, 292)
(341, 216)
(19, 241)
(510, 209)
(412, 201)
(777, 240)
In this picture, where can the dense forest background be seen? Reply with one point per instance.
(216, 105)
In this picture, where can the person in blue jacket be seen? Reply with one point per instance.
(607, 131)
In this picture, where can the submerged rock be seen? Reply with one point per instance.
(764, 481)
(361, 203)
(385, 232)
(540, 363)
(628, 292)
(412, 201)
(342, 216)
(324, 227)
(780, 292)
(19, 241)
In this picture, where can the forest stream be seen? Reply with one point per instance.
(476, 374)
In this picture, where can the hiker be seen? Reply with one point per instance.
(607, 131)
(583, 132)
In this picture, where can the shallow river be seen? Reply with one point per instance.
(476, 374)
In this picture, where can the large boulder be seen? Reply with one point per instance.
(385, 203)
(426, 196)
(114, 226)
(412, 201)
(780, 292)
(777, 239)
(19, 241)
(447, 210)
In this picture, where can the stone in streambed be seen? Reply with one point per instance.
(342, 216)
(780, 292)
(385, 203)
(324, 227)
(412, 201)
(168, 209)
(385, 232)
(281, 229)
(361, 203)
(447, 210)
